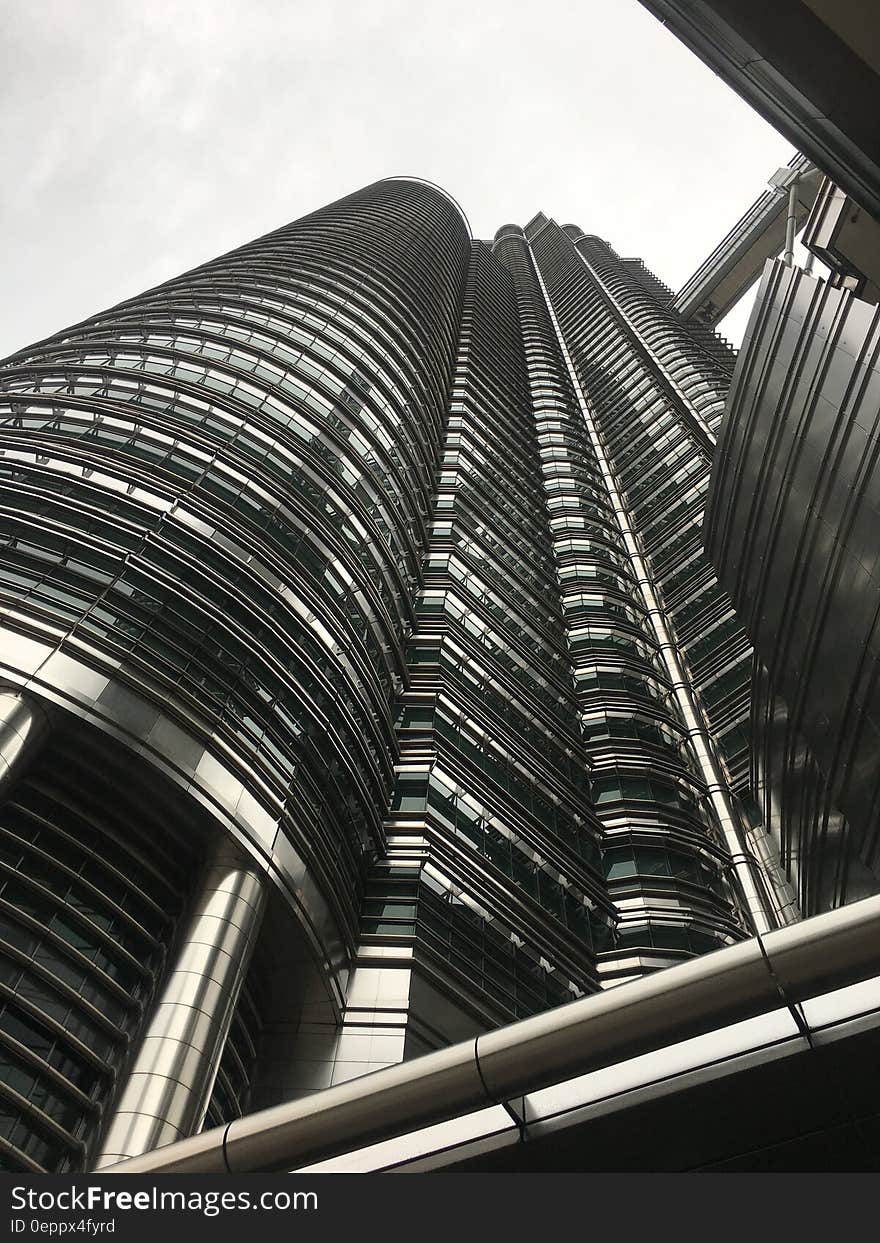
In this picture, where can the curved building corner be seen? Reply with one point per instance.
(363, 684)
(213, 501)
(791, 526)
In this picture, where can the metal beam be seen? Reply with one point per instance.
(786, 966)
(760, 234)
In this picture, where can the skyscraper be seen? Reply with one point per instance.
(365, 684)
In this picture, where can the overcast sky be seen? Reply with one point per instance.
(141, 137)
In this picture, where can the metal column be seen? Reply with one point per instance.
(23, 730)
(791, 224)
(171, 1079)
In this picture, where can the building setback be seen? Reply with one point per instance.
(364, 683)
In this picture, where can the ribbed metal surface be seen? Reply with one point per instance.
(320, 538)
(216, 494)
(740, 982)
(170, 1080)
(792, 527)
(657, 397)
(661, 806)
(509, 908)
(213, 505)
(91, 883)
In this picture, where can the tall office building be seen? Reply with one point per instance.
(364, 683)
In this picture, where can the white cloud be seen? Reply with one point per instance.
(141, 139)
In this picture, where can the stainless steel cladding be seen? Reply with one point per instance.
(791, 525)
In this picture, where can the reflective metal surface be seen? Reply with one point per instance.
(23, 729)
(213, 501)
(693, 1105)
(380, 560)
(689, 409)
(492, 881)
(792, 527)
(171, 1077)
(664, 865)
(806, 959)
(96, 857)
(757, 899)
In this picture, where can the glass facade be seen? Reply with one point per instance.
(91, 889)
(665, 866)
(492, 800)
(376, 550)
